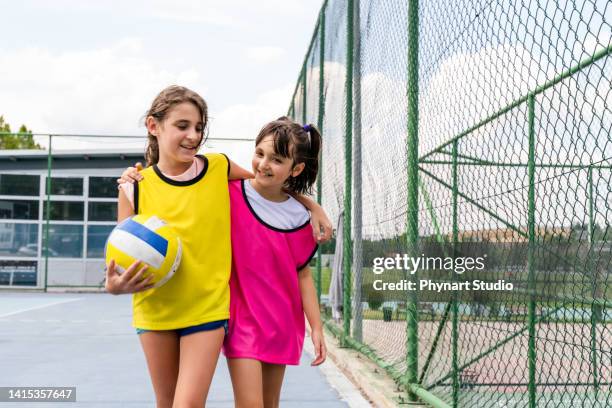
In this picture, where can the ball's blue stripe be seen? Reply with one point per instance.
(150, 237)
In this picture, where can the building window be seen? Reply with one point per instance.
(18, 239)
(96, 239)
(102, 211)
(19, 185)
(103, 187)
(66, 186)
(65, 210)
(65, 241)
(19, 209)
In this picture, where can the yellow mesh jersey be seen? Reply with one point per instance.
(198, 210)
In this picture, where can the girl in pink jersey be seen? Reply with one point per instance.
(271, 287)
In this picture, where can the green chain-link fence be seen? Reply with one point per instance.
(488, 123)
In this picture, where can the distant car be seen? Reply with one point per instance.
(28, 250)
(32, 250)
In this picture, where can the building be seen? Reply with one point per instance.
(83, 211)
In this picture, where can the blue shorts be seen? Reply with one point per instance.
(194, 329)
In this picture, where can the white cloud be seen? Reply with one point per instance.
(224, 12)
(264, 55)
(220, 13)
(103, 90)
(107, 91)
(246, 119)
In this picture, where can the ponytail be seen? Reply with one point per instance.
(311, 159)
(152, 152)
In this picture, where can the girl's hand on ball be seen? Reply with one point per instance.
(131, 174)
(131, 281)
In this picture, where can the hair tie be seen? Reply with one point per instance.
(307, 129)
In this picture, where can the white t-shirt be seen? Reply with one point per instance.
(285, 215)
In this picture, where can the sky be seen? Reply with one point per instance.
(94, 67)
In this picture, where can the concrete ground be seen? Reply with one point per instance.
(86, 341)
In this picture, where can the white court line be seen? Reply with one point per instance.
(40, 307)
(346, 389)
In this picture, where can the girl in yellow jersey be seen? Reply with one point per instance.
(182, 323)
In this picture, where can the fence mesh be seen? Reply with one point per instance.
(514, 161)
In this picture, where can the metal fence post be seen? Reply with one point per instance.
(321, 115)
(357, 210)
(48, 212)
(531, 256)
(348, 152)
(593, 269)
(412, 233)
(455, 306)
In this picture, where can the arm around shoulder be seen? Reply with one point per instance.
(321, 225)
(124, 207)
(236, 172)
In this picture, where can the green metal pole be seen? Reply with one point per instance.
(412, 234)
(320, 126)
(429, 398)
(304, 117)
(305, 113)
(304, 62)
(48, 213)
(593, 271)
(447, 308)
(531, 256)
(455, 306)
(357, 178)
(348, 154)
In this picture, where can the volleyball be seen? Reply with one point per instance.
(149, 239)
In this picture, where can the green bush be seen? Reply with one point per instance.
(375, 298)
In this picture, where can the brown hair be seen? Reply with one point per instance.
(300, 143)
(161, 106)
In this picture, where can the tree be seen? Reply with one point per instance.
(21, 140)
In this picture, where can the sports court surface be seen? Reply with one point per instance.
(86, 341)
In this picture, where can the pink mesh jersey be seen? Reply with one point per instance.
(266, 314)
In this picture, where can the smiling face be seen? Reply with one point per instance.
(271, 169)
(179, 134)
